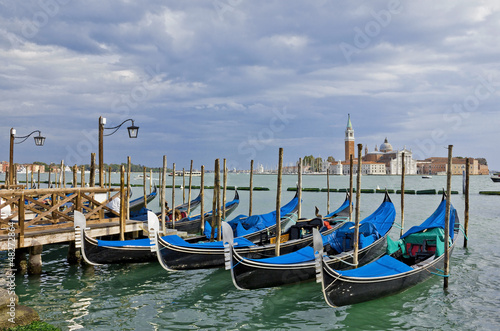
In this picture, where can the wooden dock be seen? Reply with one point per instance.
(32, 218)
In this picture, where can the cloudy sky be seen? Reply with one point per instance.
(237, 79)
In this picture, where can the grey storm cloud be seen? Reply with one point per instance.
(238, 79)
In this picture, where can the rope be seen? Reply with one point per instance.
(398, 226)
(463, 231)
(343, 261)
(440, 275)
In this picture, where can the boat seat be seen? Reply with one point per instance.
(419, 250)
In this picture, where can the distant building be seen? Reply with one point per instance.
(439, 166)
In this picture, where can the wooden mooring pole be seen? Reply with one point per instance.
(447, 219)
(358, 204)
(218, 207)
(162, 200)
(251, 189)
(278, 203)
(129, 169)
(403, 170)
(223, 207)
(466, 211)
(144, 187)
(190, 184)
(327, 191)
(351, 169)
(173, 196)
(202, 196)
(123, 203)
(299, 188)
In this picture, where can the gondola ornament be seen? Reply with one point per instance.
(80, 224)
(153, 229)
(228, 242)
(318, 254)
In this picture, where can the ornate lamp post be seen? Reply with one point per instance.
(39, 141)
(132, 133)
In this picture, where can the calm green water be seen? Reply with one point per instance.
(146, 297)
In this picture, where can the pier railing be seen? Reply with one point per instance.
(50, 209)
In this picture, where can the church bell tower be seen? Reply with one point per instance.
(349, 140)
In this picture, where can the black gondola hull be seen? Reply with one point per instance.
(109, 255)
(253, 275)
(340, 291)
(182, 258)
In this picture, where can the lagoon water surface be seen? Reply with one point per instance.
(146, 297)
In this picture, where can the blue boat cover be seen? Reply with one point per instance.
(130, 243)
(385, 266)
(178, 241)
(383, 217)
(243, 224)
(305, 254)
(436, 220)
(370, 229)
(341, 208)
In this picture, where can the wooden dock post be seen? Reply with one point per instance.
(447, 219)
(20, 259)
(202, 196)
(38, 186)
(74, 255)
(466, 211)
(82, 174)
(251, 189)
(299, 188)
(278, 203)
(35, 260)
(109, 177)
(92, 170)
(123, 203)
(402, 194)
(162, 200)
(190, 185)
(75, 178)
(62, 177)
(358, 204)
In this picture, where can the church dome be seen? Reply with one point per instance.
(386, 146)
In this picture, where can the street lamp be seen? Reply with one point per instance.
(132, 133)
(39, 141)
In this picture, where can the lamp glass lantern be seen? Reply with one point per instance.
(133, 131)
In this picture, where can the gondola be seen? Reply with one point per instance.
(137, 204)
(175, 253)
(415, 257)
(192, 224)
(95, 251)
(299, 266)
